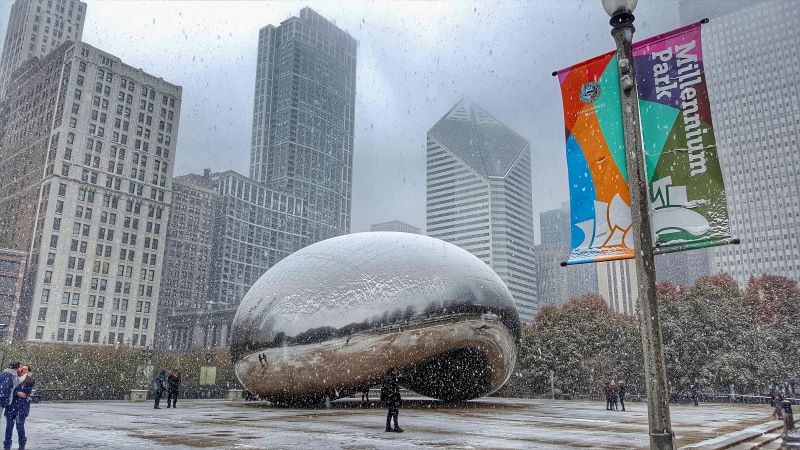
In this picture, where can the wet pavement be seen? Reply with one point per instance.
(486, 423)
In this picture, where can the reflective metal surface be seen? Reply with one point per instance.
(329, 320)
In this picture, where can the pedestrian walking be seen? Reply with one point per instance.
(159, 386)
(621, 390)
(390, 393)
(693, 391)
(173, 384)
(17, 412)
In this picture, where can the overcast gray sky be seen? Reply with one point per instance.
(415, 61)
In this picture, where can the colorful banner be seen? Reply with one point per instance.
(687, 193)
(686, 190)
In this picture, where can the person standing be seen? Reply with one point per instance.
(390, 393)
(621, 390)
(607, 394)
(173, 383)
(365, 396)
(614, 392)
(694, 393)
(17, 412)
(9, 380)
(159, 385)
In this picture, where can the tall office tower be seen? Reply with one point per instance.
(234, 229)
(255, 227)
(751, 76)
(557, 284)
(35, 28)
(479, 196)
(616, 281)
(303, 115)
(85, 189)
(184, 281)
(395, 225)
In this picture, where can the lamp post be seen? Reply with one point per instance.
(661, 437)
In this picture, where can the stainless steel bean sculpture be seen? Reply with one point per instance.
(329, 320)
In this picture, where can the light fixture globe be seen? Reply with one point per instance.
(614, 6)
(330, 319)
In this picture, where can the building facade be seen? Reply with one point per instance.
(255, 227)
(479, 196)
(197, 329)
(556, 283)
(91, 146)
(35, 28)
(395, 225)
(756, 108)
(303, 118)
(189, 242)
(616, 281)
(12, 275)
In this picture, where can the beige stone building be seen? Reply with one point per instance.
(85, 190)
(35, 28)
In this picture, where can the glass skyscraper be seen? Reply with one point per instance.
(302, 140)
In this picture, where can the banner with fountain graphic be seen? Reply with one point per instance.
(687, 193)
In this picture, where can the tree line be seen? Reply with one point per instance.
(715, 335)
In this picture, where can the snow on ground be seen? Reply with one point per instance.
(486, 423)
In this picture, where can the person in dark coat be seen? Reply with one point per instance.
(390, 393)
(365, 395)
(694, 393)
(173, 383)
(159, 386)
(777, 407)
(9, 380)
(607, 394)
(621, 390)
(613, 393)
(17, 412)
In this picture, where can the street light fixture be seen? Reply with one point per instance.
(661, 437)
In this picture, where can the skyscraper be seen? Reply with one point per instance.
(303, 114)
(35, 28)
(479, 196)
(752, 83)
(85, 190)
(556, 283)
(188, 245)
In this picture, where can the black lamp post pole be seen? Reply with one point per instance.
(661, 436)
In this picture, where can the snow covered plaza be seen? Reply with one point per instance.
(485, 423)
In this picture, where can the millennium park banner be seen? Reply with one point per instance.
(687, 194)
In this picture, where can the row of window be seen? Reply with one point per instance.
(93, 337)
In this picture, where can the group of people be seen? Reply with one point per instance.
(16, 385)
(615, 395)
(171, 384)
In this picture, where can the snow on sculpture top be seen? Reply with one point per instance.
(330, 318)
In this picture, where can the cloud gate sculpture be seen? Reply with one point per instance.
(328, 320)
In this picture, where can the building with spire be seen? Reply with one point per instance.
(479, 196)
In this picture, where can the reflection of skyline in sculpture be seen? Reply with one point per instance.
(331, 318)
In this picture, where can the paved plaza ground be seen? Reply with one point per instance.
(486, 423)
